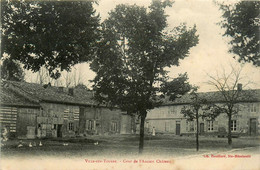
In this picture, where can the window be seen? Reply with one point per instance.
(171, 109)
(71, 126)
(210, 125)
(98, 114)
(114, 126)
(252, 107)
(233, 125)
(167, 126)
(54, 126)
(190, 126)
(187, 125)
(91, 124)
(147, 124)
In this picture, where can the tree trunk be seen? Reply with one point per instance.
(141, 139)
(229, 130)
(197, 132)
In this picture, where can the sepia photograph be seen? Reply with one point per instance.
(130, 84)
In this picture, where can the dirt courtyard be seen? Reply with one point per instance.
(125, 145)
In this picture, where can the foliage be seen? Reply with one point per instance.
(197, 103)
(192, 112)
(133, 54)
(11, 70)
(241, 22)
(53, 34)
(177, 87)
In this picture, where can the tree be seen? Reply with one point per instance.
(192, 112)
(132, 56)
(51, 34)
(68, 78)
(11, 70)
(241, 23)
(72, 78)
(43, 76)
(230, 91)
(198, 108)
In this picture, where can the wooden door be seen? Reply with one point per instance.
(201, 127)
(252, 129)
(59, 133)
(178, 128)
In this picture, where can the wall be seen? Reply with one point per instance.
(57, 120)
(126, 124)
(26, 122)
(102, 121)
(60, 120)
(8, 119)
(243, 126)
(19, 121)
(164, 120)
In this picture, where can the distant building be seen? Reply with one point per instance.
(31, 110)
(168, 118)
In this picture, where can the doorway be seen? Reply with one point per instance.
(178, 127)
(59, 133)
(252, 128)
(201, 128)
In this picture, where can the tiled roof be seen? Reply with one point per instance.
(32, 93)
(51, 94)
(217, 97)
(9, 97)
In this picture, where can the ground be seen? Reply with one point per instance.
(126, 145)
(121, 152)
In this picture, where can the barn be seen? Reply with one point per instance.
(17, 113)
(44, 111)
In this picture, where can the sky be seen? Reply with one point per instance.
(209, 57)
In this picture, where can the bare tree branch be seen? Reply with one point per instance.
(227, 85)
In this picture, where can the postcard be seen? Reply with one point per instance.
(130, 84)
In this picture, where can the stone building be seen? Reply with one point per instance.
(31, 110)
(168, 118)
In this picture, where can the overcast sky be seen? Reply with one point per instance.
(208, 57)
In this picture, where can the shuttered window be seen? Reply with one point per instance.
(8, 117)
(91, 124)
(190, 126)
(113, 126)
(253, 107)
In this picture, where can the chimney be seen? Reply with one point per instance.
(71, 91)
(239, 87)
(61, 89)
(47, 85)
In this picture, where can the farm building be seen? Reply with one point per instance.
(31, 110)
(168, 118)
(17, 113)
